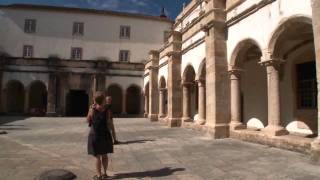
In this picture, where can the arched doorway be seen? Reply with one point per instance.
(249, 95)
(133, 97)
(77, 103)
(163, 98)
(201, 83)
(115, 92)
(37, 98)
(190, 94)
(15, 97)
(293, 44)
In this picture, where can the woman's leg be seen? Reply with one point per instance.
(98, 165)
(105, 162)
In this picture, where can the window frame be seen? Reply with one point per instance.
(74, 49)
(27, 51)
(30, 25)
(125, 32)
(121, 52)
(78, 28)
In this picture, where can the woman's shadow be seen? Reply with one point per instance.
(136, 141)
(167, 171)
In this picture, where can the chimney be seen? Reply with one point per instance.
(163, 13)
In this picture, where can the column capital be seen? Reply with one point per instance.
(162, 89)
(186, 84)
(201, 82)
(272, 62)
(174, 54)
(235, 73)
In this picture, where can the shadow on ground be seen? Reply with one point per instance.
(136, 141)
(167, 171)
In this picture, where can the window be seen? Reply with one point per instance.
(30, 26)
(27, 51)
(78, 28)
(306, 86)
(125, 32)
(124, 56)
(76, 53)
(166, 36)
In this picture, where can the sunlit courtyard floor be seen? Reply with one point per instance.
(149, 151)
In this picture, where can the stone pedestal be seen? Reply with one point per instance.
(186, 102)
(202, 102)
(52, 95)
(153, 86)
(274, 127)
(146, 105)
(235, 123)
(315, 146)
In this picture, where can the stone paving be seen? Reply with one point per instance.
(149, 151)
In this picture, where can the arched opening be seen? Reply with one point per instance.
(163, 98)
(190, 94)
(15, 97)
(37, 98)
(133, 97)
(293, 43)
(253, 100)
(77, 103)
(115, 92)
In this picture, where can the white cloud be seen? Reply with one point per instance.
(104, 4)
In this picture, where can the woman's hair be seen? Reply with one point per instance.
(99, 97)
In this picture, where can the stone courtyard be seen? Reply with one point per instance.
(149, 151)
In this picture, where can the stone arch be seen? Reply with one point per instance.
(116, 93)
(293, 43)
(163, 97)
(240, 47)
(37, 97)
(190, 94)
(15, 97)
(295, 24)
(189, 74)
(201, 73)
(146, 99)
(133, 99)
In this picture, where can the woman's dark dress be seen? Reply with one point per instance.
(99, 139)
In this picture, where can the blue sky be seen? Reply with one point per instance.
(152, 7)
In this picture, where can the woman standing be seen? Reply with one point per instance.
(100, 140)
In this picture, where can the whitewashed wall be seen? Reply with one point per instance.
(101, 34)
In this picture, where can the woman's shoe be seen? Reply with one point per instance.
(104, 176)
(97, 177)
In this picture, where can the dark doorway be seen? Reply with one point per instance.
(133, 100)
(77, 103)
(15, 97)
(37, 99)
(116, 93)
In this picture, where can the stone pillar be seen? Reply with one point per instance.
(146, 105)
(52, 95)
(202, 102)
(274, 127)
(1, 90)
(186, 102)
(217, 86)
(162, 103)
(124, 101)
(153, 86)
(174, 89)
(315, 146)
(235, 100)
(100, 82)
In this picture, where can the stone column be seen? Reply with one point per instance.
(1, 90)
(315, 146)
(100, 82)
(153, 86)
(217, 81)
(124, 101)
(274, 127)
(202, 102)
(52, 95)
(235, 100)
(146, 105)
(161, 103)
(186, 102)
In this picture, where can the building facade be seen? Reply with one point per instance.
(241, 68)
(54, 58)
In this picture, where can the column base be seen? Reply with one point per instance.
(153, 117)
(237, 126)
(218, 131)
(51, 114)
(161, 116)
(145, 115)
(275, 131)
(186, 119)
(174, 122)
(201, 122)
(315, 150)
